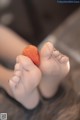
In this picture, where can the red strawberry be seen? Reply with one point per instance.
(32, 52)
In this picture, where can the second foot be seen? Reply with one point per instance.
(54, 66)
(25, 81)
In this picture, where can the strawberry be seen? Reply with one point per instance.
(32, 52)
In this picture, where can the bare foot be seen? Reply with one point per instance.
(24, 82)
(54, 67)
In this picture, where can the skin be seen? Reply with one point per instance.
(54, 66)
(22, 83)
(12, 40)
(27, 76)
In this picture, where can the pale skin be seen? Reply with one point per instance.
(54, 66)
(22, 83)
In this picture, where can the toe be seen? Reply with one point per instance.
(25, 62)
(17, 89)
(18, 73)
(15, 79)
(47, 50)
(64, 59)
(12, 84)
(59, 57)
(18, 67)
(56, 53)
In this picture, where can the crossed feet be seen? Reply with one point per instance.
(27, 77)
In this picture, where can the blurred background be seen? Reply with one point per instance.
(39, 21)
(34, 19)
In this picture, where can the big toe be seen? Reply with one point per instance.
(25, 62)
(47, 49)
